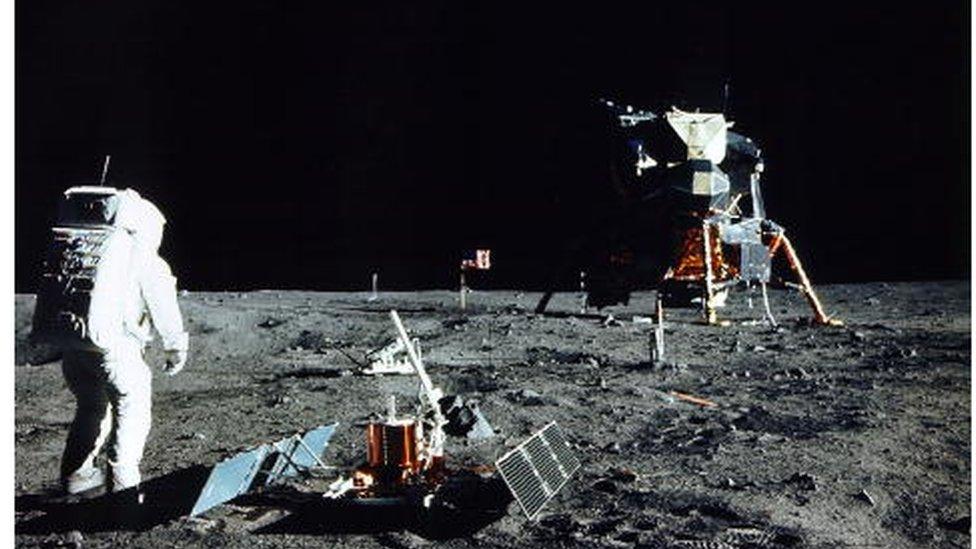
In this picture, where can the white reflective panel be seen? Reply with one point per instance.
(705, 134)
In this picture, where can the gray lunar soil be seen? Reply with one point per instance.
(854, 436)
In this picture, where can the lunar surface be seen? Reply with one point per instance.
(818, 437)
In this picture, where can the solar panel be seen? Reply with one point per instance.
(294, 455)
(229, 479)
(236, 475)
(538, 468)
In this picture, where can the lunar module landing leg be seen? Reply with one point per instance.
(720, 255)
(780, 241)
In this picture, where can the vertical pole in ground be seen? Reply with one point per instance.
(462, 291)
(657, 338)
(769, 312)
(708, 308)
(582, 289)
(376, 294)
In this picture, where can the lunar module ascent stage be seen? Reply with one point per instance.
(688, 169)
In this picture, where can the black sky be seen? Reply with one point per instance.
(303, 147)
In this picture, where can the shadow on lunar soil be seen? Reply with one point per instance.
(166, 498)
(461, 507)
(460, 510)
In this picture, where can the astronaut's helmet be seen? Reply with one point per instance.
(97, 207)
(141, 218)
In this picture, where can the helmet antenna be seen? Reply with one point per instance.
(108, 158)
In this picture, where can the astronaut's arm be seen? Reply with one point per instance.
(158, 286)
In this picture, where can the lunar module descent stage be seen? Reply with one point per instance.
(689, 168)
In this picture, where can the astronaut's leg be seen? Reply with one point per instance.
(129, 390)
(92, 423)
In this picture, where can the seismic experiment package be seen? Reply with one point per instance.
(405, 471)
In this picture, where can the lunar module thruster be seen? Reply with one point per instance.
(688, 168)
(405, 467)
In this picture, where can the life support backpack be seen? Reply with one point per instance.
(86, 273)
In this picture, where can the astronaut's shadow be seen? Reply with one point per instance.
(165, 498)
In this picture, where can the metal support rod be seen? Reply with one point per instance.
(659, 308)
(769, 311)
(437, 435)
(301, 442)
(805, 287)
(708, 310)
(657, 349)
(101, 180)
(463, 290)
(412, 353)
(733, 208)
(297, 466)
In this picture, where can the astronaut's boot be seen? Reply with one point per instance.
(124, 477)
(84, 481)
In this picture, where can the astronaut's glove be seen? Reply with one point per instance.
(175, 360)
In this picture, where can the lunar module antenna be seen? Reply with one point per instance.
(108, 158)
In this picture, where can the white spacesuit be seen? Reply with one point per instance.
(105, 260)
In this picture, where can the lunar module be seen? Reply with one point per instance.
(699, 182)
(405, 466)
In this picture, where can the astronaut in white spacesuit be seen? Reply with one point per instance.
(106, 251)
